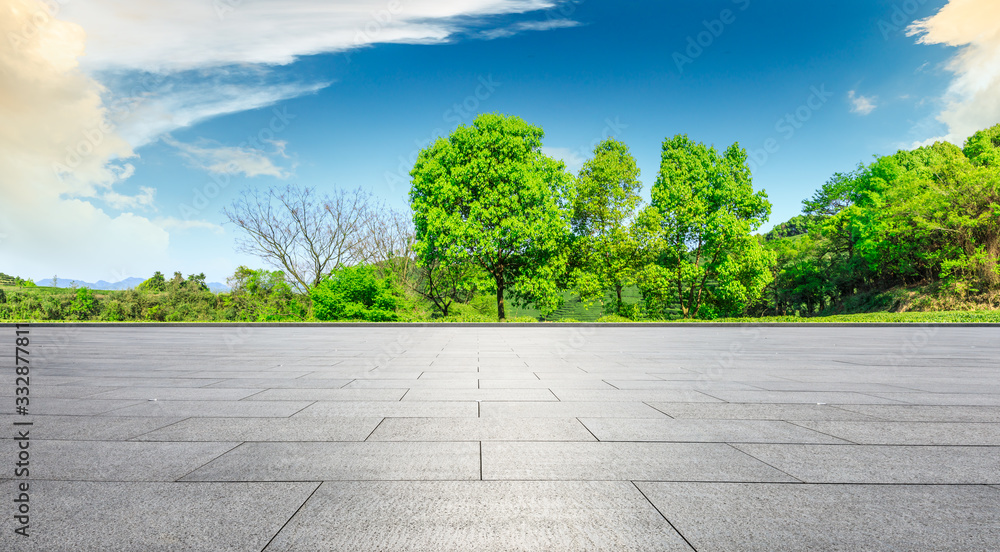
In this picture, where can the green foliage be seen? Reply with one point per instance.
(356, 293)
(488, 196)
(15, 281)
(262, 296)
(611, 242)
(155, 284)
(707, 210)
(83, 304)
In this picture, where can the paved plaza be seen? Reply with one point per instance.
(441, 438)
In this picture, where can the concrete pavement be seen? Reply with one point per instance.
(507, 438)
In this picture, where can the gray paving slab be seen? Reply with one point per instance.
(740, 411)
(805, 397)
(177, 394)
(395, 409)
(68, 407)
(481, 429)
(767, 517)
(344, 462)
(967, 399)
(264, 429)
(952, 465)
(119, 460)
(706, 431)
(926, 413)
(57, 391)
(639, 395)
(478, 515)
(359, 383)
(212, 409)
(75, 516)
(329, 395)
(566, 409)
(911, 433)
(280, 383)
(532, 461)
(480, 395)
(93, 428)
(534, 383)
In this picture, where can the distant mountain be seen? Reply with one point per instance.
(128, 283)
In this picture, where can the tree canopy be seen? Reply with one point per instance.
(488, 195)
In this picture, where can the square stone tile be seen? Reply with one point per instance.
(329, 395)
(533, 461)
(882, 464)
(92, 428)
(75, 516)
(765, 517)
(911, 433)
(213, 409)
(743, 411)
(479, 395)
(265, 429)
(565, 409)
(927, 413)
(478, 515)
(176, 394)
(344, 462)
(391, 409)
(481, 429)
(118, 460)
(705, 431)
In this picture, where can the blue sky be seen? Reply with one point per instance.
(200, 100)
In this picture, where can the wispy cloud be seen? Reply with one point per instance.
(219, 159)
(573, 158)
(862, 105)
(520, 27)
(172, 223)
(143, 200)
(972, 101)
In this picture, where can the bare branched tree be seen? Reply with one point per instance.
(389, 242)
(302, 233)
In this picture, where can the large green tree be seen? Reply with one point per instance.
(488, 195)
(611, 241)
(708, 211)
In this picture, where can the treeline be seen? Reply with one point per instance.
(496, 223)
(926, 220)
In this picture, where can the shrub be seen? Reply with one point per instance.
(356, 293)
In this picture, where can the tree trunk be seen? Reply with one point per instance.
(501, 315)
(618, 290)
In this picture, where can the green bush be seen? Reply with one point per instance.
(613, 318)
(83, 304)
(356, 293)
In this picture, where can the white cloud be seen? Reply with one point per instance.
(245, 160)
(972, 101)
(573, 158)
(143, 200)
(522, 26)
(153, 35)
(172, 223)
(58, 153)
(861, 104)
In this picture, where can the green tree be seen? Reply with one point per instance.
(487, 195)
(154, 284)
(610, 245)
(261, 296)
(708, 210)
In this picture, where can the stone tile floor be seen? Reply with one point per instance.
(508, 438)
